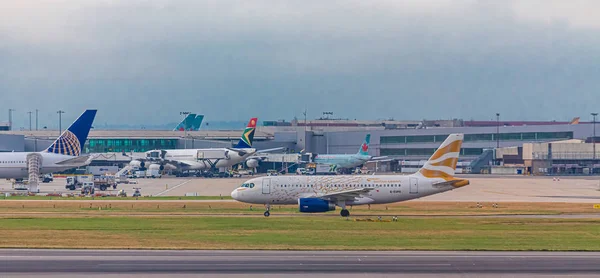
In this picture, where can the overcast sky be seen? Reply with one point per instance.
(145, 61)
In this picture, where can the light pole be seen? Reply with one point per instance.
(327, 132)
(29, 119)
(60, 112)
(10, 118)
(36, 119)
(594, 136)
(497, 130)
(184, 128)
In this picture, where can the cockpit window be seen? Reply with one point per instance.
(248, 185)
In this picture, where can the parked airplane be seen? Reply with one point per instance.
(347, 161)
(62, 155)
(191, 123)
(201, 159)
(324, 193)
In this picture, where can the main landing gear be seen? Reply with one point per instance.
(267, 213)
(345, 212)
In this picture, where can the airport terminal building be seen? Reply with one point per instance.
(401, 145)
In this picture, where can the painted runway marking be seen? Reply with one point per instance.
(173, 188)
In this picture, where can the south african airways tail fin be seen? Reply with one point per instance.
(248, 135)
(72, 140)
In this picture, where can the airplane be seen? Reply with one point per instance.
(202, 159)
(62, 155)
(347, 161)
(191, 123)
(315, 194)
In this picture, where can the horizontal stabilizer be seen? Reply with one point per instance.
(453, 182)
(80, 160)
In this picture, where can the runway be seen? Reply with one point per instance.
(259, 263)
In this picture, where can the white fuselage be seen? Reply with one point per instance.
(13, 165)
(386, 189)
(201, 159)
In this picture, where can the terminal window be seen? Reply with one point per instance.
(515, 136)
(426, 151)
(128, 145)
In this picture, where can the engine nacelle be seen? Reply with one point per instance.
(137, 164)
(156, 167)
(315, 205)
(252, 163)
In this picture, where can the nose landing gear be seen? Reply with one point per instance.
(267, 213)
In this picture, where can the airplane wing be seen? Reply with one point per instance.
(346, 194)
(379, 157)
(79, 160)
(382, 160)
(270, 150)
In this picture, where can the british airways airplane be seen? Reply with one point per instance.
(62, 155)
(324, 193)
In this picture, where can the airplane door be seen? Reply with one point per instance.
(200, 155)
(266, 186)
(414, 186)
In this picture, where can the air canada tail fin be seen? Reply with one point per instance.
(248, 135)
(186, 124)
(72, 140)
(364, 148)
(442, 163)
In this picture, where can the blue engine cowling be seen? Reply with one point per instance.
(315, 205)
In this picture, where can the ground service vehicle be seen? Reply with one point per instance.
(99, 182)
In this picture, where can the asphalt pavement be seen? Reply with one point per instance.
(258, 263)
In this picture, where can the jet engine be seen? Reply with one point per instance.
(311, 205)
(137, 164)
(155, 166)
(252, 163)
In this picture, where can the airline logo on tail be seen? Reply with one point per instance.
(71, 141)
(442, 163)
(191, 123)
(364, 148)
(248, 135)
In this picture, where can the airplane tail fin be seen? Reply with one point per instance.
(442, 163)
(72, 140)
(197, 122)
(575, 121)
(248, 135)
(186, 124)
(364, 148)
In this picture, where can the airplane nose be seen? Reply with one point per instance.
(234, 194)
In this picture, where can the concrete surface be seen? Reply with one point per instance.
(482, 188)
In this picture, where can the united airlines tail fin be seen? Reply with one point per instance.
(186, 124)
(71, 141)
(442, 163)
(364, 148)
(248, 135)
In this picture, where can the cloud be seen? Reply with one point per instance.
(144, 61)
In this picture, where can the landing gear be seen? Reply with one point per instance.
(267, 213)
(345, 213)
